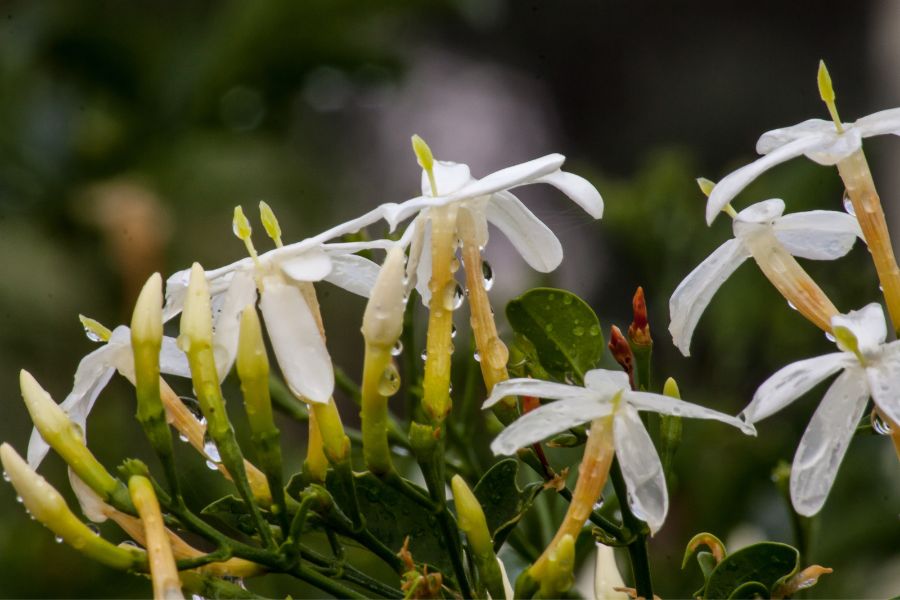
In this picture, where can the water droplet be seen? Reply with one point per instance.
(453, 296)
(791, 305)
(58, 539)
(880, 426)
(567, 299)
(397, 349)
(829, 336)
(5, 476)
(210, 449)
(488, 273)
(598, 504)
(476, 356)
(424, 355)
(578, 331)
(548, 327)
(129, 544)
(93, 527)
(92, 335)
(848, 204)
(454, 265)
(389, 382)
(19, 499)
(182, 437)
(212, 466)
(401, 451)
(452, 331)
(594, 331)
(193, 405)
(498, 354)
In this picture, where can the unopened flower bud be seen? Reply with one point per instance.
(621, 351)
(559, 576)
(383, 318)
(196, 318)
(270, 223)
(147, 322)
(639, 330)
(163, 572)
(606, 576)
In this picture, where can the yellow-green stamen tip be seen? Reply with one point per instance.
(240, 225)
(847, 341)
(826, 92)
(706, 186)
(95, 330)
(426, 160)
(670, 389)
(270, 223)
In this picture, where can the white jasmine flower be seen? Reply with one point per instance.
(281, 275)
(871, 368)
(606, 393)
(817, 235)
(94, 372)
(490, 198)
(607, 579)
(817, 139)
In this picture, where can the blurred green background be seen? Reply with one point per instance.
(129, 131)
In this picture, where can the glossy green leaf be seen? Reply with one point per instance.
(564, 330)
(765, 564)
(749, 591)
(503, 501)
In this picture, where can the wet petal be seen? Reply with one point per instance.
(312, 265)
(762, 212)
(818, 234)
(826, 440)
(880, 123)
(534, 241)
(793, 381)
(227, 321)
(449, 177)
(548, 420)
(867, 324)
(537, 388)
(605, 382)
(884, 381)
(729, 187)
(578, 189)
(423, 265)
(504, 179)
(172, 361)
(692, 295)
(672, 406)
(353, 273)
(641, 469)
(295, 338)
(772, 140)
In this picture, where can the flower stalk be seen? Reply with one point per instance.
(163, 572)
(472, 521)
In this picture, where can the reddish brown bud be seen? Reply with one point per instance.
(639, 330)
(529, 403)
(621, 351)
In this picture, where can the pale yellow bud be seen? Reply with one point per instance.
(423, 153)
(146, 322)
(826, 89)
(270, 223)
(240, 225)
(196, 318)
(383, 318)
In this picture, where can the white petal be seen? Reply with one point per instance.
(504, 179)
(176, 291)
(837, 148)
(395, 213)
(606, 575)
(692, 295)
(537, 388)
(791, 382)
(762, 212)
(312, 265)
(423, 265)
(172, 361)
(578, 189)
(818, 234)
(825, 441)
(605, 382)
(91, 505)
(729, 187)
(534, 241)
(641, 469)
(227, 320)
(867, 324)
(772, 140)
(880, 123)
(672, 406)
(449, 177)
(884, 381)
(548, 420)
(295, 338)
(353, 273)
(415, 233)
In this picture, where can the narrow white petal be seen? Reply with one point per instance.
(641, 469)
(172, 361)
(772, 140)
(395, 213)
(504, 179)
(423, 266)
(880, 123)
(672, 406)
(449, 177)
(734, 182)
(791, 382)
(548, 420)
(884, 381)
(415, 233)
(692, 295)
(312, 265)
(227, 320)
(534, 241)
(176, 291)
(295, 338)
(825, 441)
(867, 324)
(537, 388)
(818, 234)
(353, 273)
(91, 505)
(605, 382)
(578, 189)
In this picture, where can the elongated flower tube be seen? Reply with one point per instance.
(146, 341)
(381, 328)
(831, 143)
(47, 506)
(772, 239)
(870, 368)
(67, 439)
(472, 521)
(163, 572)
(196, 340)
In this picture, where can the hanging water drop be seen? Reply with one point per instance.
(829, 336)
(498, 354)
(92, 335)
(453, 295)
(210, 449)
(791, 305)
(93, 527)
(397, 349)
(488, 274)
(5, 476)
(454, 265)
(477, 356)
(848, 204)
(19, 499)
(424, 355)
(389, 382)
(578, 331)
(452, 331)
(881, 426)
(58, 539)
(182, 437)
(598, 504)
(212, 466)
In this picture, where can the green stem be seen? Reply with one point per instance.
(637, 549)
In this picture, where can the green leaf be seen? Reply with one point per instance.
(391, 516)
(764, 564)
(564, 330)
(503, 502)
(232, 511)
(749, 591)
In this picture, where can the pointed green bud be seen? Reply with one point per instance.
(146, 322)
(47, 506)
(423, 153)
(65, 437)
(95, 330)
(196, 318)
(472, 521)
(559, 575)
(826, 89)
(383, 318)
(670, 389)
(270, 223)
